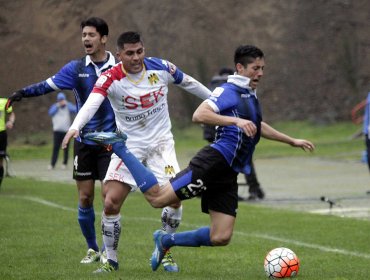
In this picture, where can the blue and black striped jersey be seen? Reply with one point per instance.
(80, 77)
(231, 141)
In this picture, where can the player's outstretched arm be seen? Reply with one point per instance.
(194, 87)
(271, 133)
(33, 90)
(304, 144)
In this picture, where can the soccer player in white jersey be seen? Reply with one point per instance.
(137, 89)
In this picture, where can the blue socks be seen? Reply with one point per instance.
(193, 238)
(144, 178)
(86, 219)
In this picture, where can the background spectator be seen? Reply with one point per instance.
(61, 116)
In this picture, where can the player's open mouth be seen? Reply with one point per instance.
(88, 46)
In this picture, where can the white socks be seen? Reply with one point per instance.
(111, 230)
(171, 218)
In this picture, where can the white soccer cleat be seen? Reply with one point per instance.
(103, 257)
(91, 256)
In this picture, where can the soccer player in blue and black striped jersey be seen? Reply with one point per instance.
(90, 160)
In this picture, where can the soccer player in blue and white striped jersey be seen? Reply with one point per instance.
(90, 160)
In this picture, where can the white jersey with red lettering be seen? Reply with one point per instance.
(140, 105)
(140, 101)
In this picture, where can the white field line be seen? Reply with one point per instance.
(341, 210)
(255, 235)
(308, 245)
(43, 202)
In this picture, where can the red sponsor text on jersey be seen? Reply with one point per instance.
(145, 101)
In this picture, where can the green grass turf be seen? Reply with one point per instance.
(332, 141)
(40, 239)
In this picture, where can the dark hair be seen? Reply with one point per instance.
(100, 25)
(221, 78)
(247, 54)
(225, 71)
(130, 37)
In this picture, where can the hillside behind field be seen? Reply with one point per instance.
(317, 52)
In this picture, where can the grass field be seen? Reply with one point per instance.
(40, 237)
(333, 141)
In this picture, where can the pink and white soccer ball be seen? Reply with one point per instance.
(281, 263)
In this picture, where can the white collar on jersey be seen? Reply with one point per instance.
(111, 61)
(242, 82)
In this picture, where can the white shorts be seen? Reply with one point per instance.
(160, 159)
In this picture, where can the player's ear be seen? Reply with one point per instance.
(104, 39)
(118, 56)
(239, 67)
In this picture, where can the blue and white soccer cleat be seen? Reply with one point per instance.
(106, 138)
(159, 251)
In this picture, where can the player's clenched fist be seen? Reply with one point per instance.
(15, 96)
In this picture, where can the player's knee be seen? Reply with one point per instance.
(155, 198)
(111, 208)
(86, 201)
(155, 202)
(220, 239)
(176, 205)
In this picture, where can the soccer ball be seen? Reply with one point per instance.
(281, 263)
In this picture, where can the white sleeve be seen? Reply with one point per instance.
(194, 87)
(213, 105)
(87, 111)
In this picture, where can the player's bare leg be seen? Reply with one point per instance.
(221, 229)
